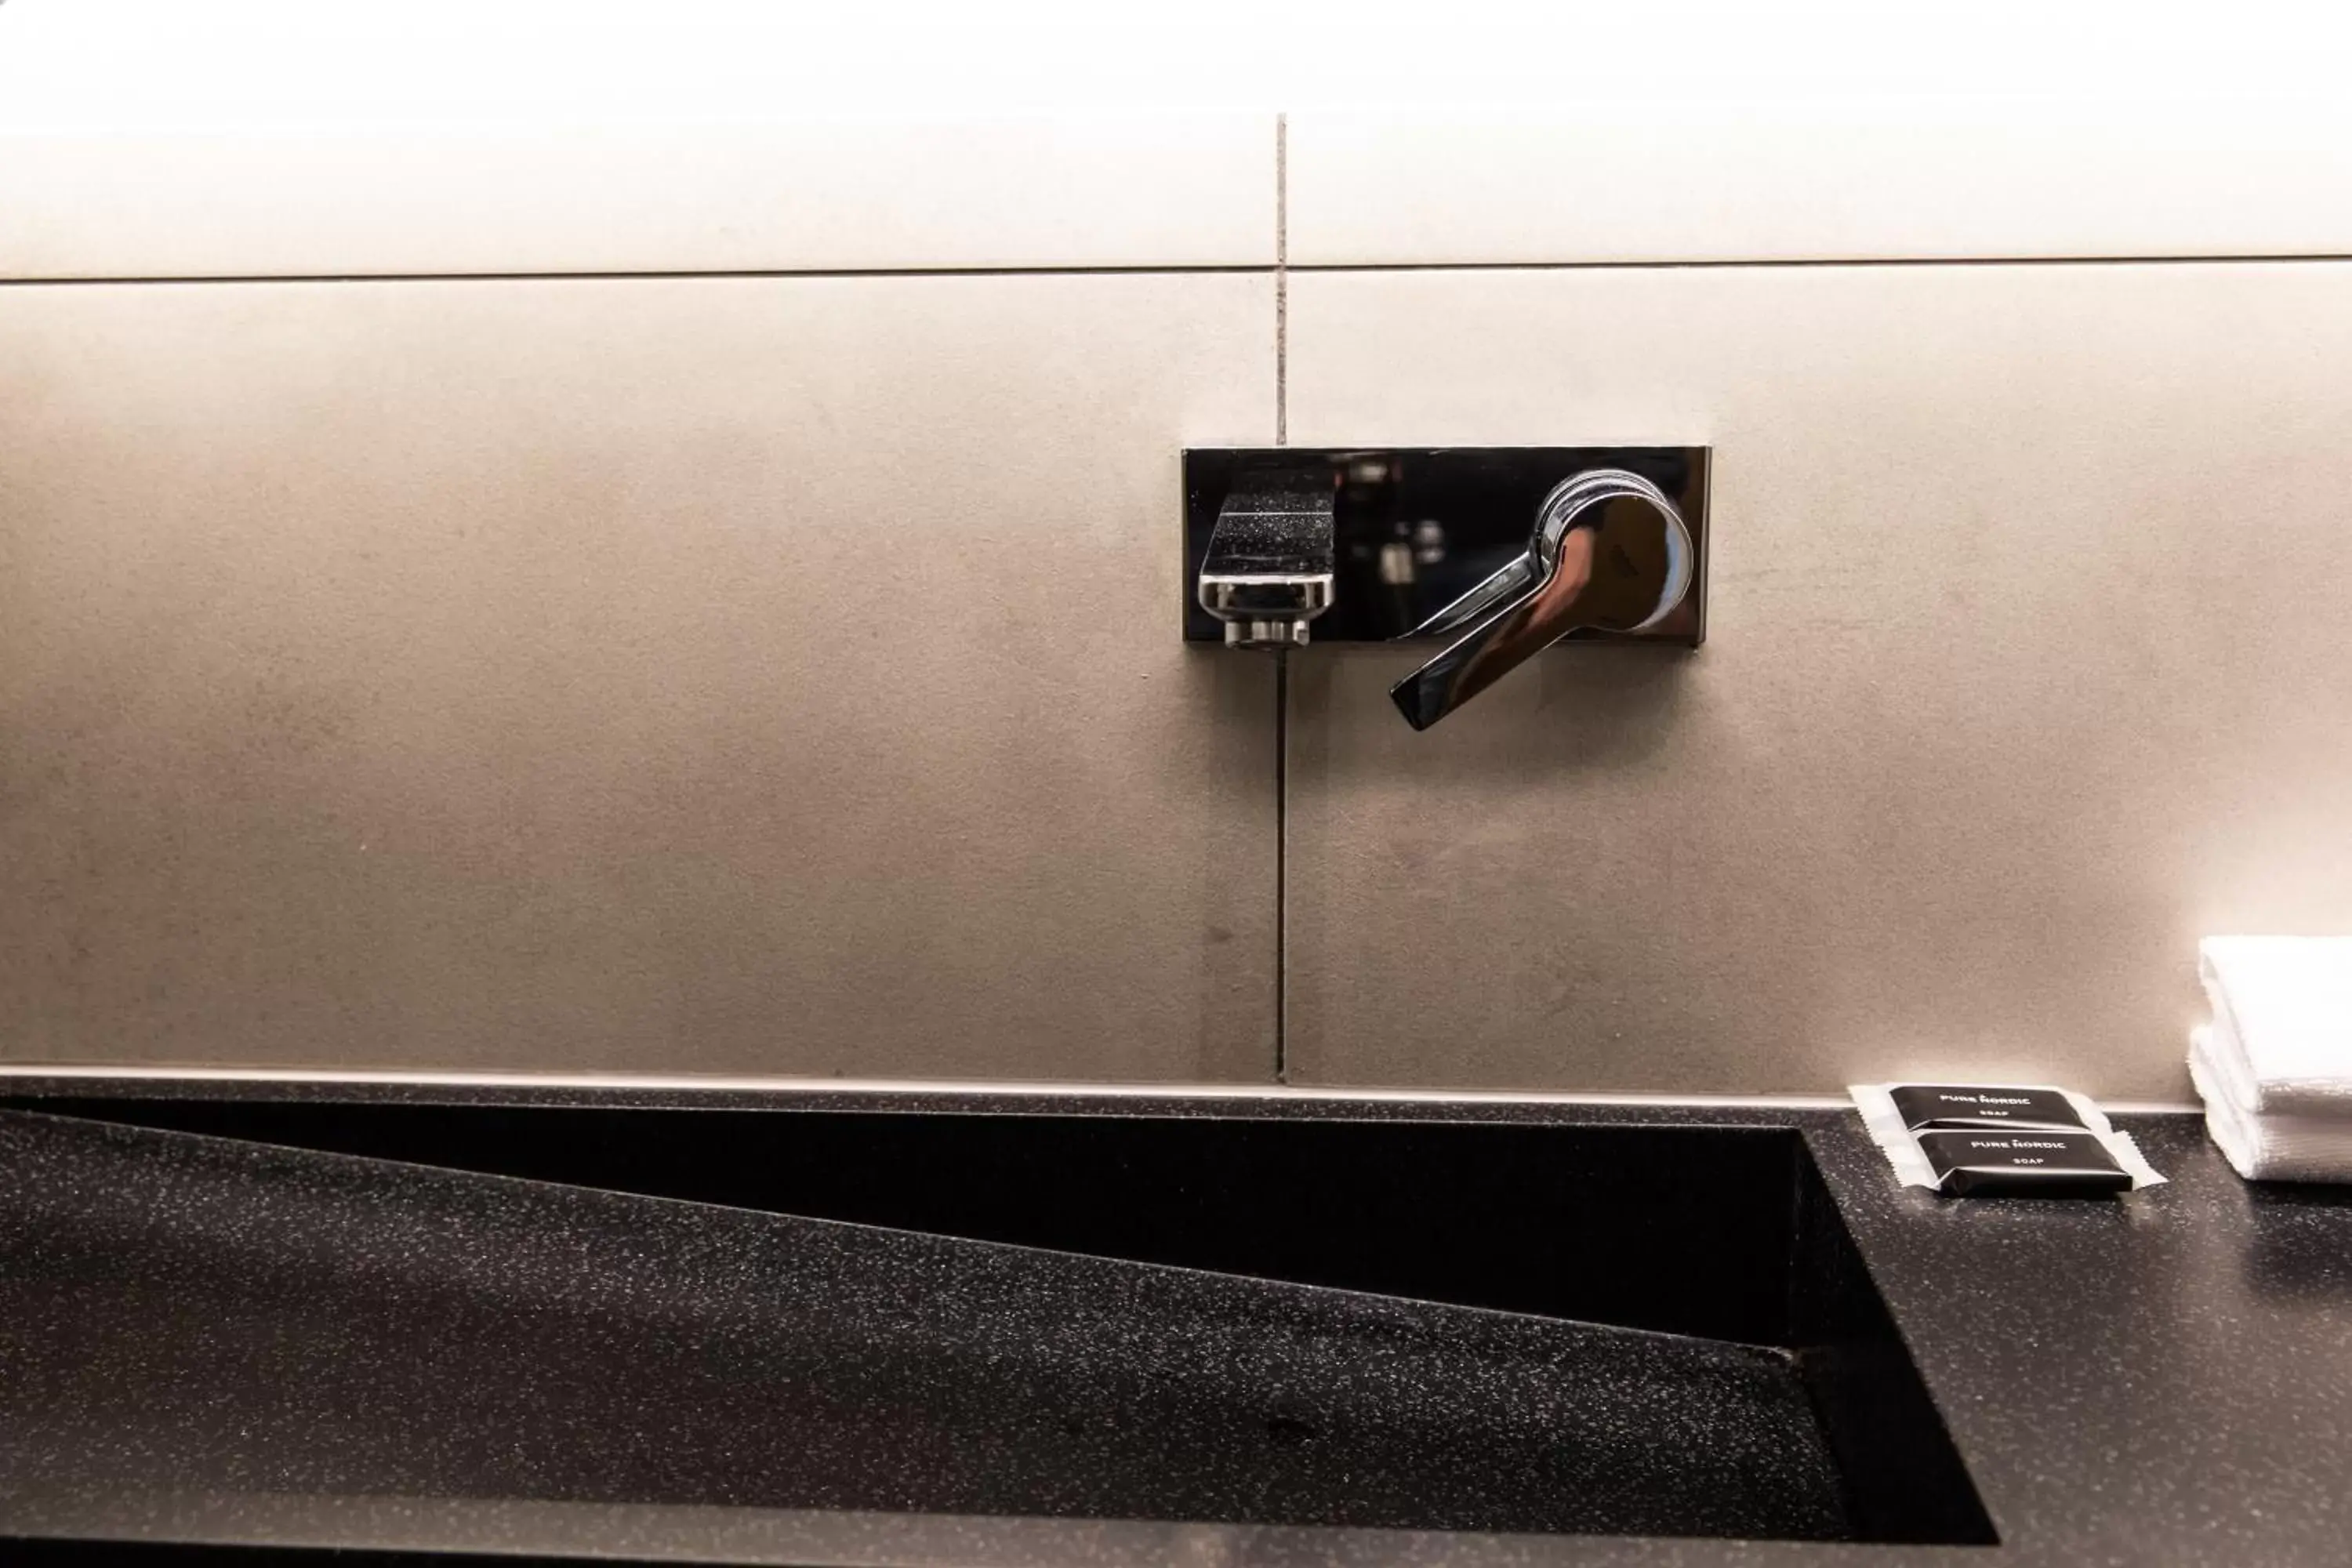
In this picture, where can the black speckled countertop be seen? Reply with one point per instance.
(2166, 1378)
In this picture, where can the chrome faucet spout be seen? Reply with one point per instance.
(1609, 550)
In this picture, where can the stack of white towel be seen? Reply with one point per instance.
(2275, 1065)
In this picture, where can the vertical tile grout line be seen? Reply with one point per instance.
(1282, 281)
(1281, 659)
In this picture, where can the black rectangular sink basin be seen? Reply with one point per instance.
(1286, 1321)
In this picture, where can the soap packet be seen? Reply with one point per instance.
(2014, 1140)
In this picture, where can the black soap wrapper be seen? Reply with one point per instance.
(1985, 1140)
(2023, 1163)
(1924, 1105)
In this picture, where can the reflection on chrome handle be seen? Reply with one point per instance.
(1609, 550)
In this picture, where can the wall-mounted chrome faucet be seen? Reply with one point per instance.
(1505, 550)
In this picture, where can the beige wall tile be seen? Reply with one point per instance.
(2026, 665)
(1071, 189)
(1826, 177)
(730, 675)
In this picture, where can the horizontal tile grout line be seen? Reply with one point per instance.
(652, 275)
(1267, 270)
(1011, 1087)
(1717, 264)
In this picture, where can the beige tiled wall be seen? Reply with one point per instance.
(2025, 665)
(741, 675)
(1854, 177)
(779, 673)
(835, 194)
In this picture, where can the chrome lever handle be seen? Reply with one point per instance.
(1608, 550)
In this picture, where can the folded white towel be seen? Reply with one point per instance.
(2282, 1021)
(2271, 1147)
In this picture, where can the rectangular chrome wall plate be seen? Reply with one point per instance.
(1415, 527)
